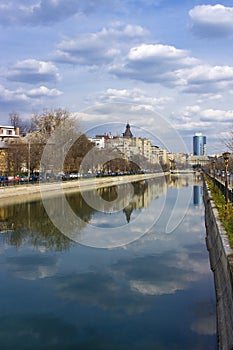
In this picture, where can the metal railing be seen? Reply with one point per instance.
(220, 183)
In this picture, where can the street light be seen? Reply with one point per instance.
(29, 160)
(226, 156)
(214, 164)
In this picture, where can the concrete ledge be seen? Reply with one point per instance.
(221, 257)
(25, 193)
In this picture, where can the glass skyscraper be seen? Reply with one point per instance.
(199, 144)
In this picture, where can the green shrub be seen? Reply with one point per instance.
(225, 210)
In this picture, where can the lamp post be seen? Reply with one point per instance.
(226, 156)
(214, 164)
(29, 160)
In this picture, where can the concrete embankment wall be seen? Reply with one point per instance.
(221, 261)
(26, 193)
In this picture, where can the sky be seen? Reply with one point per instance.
(157, 64)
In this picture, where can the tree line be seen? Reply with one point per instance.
(25, 152)
(59, 133)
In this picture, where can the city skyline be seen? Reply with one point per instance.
(95, 60)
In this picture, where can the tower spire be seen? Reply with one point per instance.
(127, 132)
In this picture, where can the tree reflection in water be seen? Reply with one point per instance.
(28, 222)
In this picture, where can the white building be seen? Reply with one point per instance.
(7, 132)
(134, 147)
(99, 142)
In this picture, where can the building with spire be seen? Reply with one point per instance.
(127, 132)
(137, 149)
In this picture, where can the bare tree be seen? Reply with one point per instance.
(16, 155)
(24, 126)
(229, 141)
(49, 120)
(78, 150)
(15, 119)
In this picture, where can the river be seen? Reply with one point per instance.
(130, 270)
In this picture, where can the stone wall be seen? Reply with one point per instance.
(221, 261)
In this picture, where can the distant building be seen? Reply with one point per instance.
(130, 148)
(7, 135)
(137, 149)
(127, 132)
(8, 132)
(199, 144)
(198, 161)
(99, 142)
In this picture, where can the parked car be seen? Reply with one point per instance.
(13, 178)
(3, 180)
(75, 176)
(23, 178)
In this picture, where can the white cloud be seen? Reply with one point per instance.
(103, 47)
(135, 96)
(7, 96)
(207, 79)
(155, 63)
(32, 71)
(43, 91)
(149, 52)
(221, 116)
(22, 96)
(212, 21)
(205, 74)
(193, 109)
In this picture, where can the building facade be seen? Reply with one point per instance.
(199, 144)
(137, 149)
(8, 132)
(8, 136)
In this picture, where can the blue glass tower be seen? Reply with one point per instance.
(199, 144)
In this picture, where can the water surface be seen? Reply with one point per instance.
(154, 293)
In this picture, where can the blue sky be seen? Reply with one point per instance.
(149, 57)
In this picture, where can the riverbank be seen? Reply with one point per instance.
(221, 261)
(26, 193)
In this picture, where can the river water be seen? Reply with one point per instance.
(135, 273)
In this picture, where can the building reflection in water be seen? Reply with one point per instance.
(28, 221)
(197, 195)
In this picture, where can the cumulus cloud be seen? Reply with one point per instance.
(43, 91)
(22, 96)
(154, 63)
(135, 96)
(212, 21)
(8, 96)
(169, 66)
(90, 49)
(216, 115)
(32, 71)
(127, 57)
(194, 118)
(206, 78)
